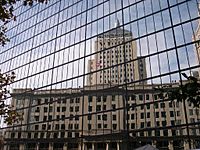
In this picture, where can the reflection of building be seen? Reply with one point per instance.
(117, 56)
(196, 38)
(65, 118)
(1, 141)
(50, 48)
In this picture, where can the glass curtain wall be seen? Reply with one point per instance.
(86, 73)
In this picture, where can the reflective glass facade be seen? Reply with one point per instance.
(86, 73)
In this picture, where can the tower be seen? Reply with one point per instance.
(196, 38)
(116, 61)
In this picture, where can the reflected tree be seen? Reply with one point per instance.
(10, 116)
(188, 90)
(7, 15)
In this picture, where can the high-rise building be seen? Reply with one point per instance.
(116, 60)
(196, 39)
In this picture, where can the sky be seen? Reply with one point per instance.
(143, 19)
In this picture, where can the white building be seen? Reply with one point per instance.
(100, 119)
(116, 60)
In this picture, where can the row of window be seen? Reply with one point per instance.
(39, 101)
(58, 117)
(117, 57)
(116, 81)
(104, 125)
(114, 116)
(104, 99)
(62, 109)
(132, 116)
(76, 134)
(119, 76)
(115, 70)
(48, 135)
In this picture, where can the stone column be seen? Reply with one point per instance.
(94, 146)
(154, 144)
(37, 146)
(84, 146)
(186, 145)
(50, 146)
(107, 146)
(65, 146)
(170, 145)
(118, 146)
(79, 146)
(21, 147)
(6, 147)
(193, 144)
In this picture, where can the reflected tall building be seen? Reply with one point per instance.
(116, 60)
(196, 38)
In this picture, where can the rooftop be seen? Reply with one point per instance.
(117, 31)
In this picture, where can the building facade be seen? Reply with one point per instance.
(65, 119)
(114, 49)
